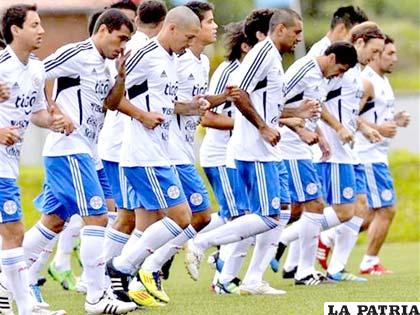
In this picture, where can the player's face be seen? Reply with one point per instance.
(293, 36)
(388, 58)
(32, 31)
(336, 70)
(370, 50)
(182, 37)
(208, 32)
(115, 41)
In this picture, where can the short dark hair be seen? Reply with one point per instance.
(366, 31)
(92, 21)
(233, 38)
(345, 53)
(2, 44)
(284, 16)
(113, 19)
(388, 39)
(124, 5)
(199, 8)
(151, 11)
(349, 16)
(14, 15)
(257, 20)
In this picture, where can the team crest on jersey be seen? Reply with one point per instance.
(386, 195)
(36, 82)
(348, 192)
(10, 207)
(275, 203)
(96, 202)
(196, 199)
(311, 188)
(173, 192)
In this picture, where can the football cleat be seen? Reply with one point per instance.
(376, 270)
(259, 289)
(109, 305)
(140, 295)
(153, 284)
(322, 254)
(345, 276)
(193, 258)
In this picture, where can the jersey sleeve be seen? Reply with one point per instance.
(254, 68)
(215, 79)
(41, 101)
(67, 61)
(136, 69)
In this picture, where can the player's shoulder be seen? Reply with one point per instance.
(305, 66)
(72, 51)
(5, 58)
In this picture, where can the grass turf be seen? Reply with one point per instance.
(189, 297)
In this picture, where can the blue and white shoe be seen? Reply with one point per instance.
(345, 276)
(37, 297)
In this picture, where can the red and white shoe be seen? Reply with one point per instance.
(322, 254)
(376, 270)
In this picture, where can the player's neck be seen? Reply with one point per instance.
(197, 48)
(334, 36)
(377, 69)
(147, 31)
(21, 52)
(164, 41)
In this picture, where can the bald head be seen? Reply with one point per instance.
(182, 17)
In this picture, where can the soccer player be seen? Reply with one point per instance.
(72, 184)
(342, 181)
(24, 75)
(379, 113)
(260, 78)
(152, 85)
(343, 19)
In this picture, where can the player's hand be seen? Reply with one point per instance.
(345, 136)
(371, 134)
(236, 94)
(271, 135)
(388, 129)
(151, 120)
(59, 122)
(325, 148)
(4, 92)
(122, 59)
(9, 135)
(232, 92)
(402, 119)
(200, 104)
(292, 122)
(309, 109)
(307, 136)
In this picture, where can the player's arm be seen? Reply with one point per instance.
(344, 135)
(306, 110)
(4, 92)
(115, 95)
(323, 145)
(217, 121)
(51, 118)
(149, 119)
(195, 107)
(217, 99)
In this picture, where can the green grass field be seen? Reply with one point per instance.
(189, 297)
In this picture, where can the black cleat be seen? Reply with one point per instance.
(166, 268)
(280, 251)
(314, 279)
(289, 274)
(119, 282)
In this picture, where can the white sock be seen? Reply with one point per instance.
(37, 267)
(290, 233)
(112, 215)
(285, 217)
(215, 278)
(66, 240)
(235, 230)
(14, 267)
(132, 241)
(310, 227)
(36, 239)
(293, 254)
(155, 261)
(330, 218)
(114, 242)
(215, 221)
(233, 263)
(153, 237)
(369, 261)
(91, 254)
(328, 236)
(346, 237)
(264, 251)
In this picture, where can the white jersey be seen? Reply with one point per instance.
(261, 75)
(213, 150)
(193, 77)
(378, 111)
(152, 84)
(303, 80)
(319, 47)
(110, 138)
(26, 84)
(82, 84)
(343, 101)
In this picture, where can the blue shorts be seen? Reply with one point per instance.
(285, 198)
(361, 181)
(262, 185)
(10, 206)
(156, 187)
(304, 184)
(380, 185)
(112, 171)
(229, 190)
(194, 188)
(130, 199)
(103, 179)
(337, 182)
(71, 187)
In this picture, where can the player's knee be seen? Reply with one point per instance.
(345, 212)
(316, 206)
(99, 220)
(53, 223)
(200, 220)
